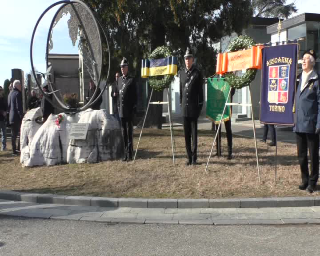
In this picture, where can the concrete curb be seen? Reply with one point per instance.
(160, 203)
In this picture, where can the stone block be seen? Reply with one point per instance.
(32, 198)
(162, 203)
(10, 195)
(295, 201)
(193, 203)
(224, 203)
(78, 200)
(133, 202)
(258, 202)
(104, 202)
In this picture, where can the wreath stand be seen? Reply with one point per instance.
(170, 121)
(253, 128)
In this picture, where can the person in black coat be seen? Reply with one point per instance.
(33, 101)
(191, 100)
(3, 116)
(307, 121)
(92, 88)
(15, 114)
(115, 96)
(127, 104)
(46, 106)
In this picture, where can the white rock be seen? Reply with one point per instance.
(50, 144)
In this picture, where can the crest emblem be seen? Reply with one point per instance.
(278, 84)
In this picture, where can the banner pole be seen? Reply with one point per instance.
(254, 135)
(144, 120)
(170, 121)
(217, 131)
(275, 170)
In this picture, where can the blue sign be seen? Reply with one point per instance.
(279, 65)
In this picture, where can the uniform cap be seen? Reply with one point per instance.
(124, 62)
(188, 53)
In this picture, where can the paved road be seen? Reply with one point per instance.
(61, 237)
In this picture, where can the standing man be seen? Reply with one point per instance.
(191, 100)
(92, 88)
(127, 107)
(15, 114)
(3, 116)
(307, 121)
(46, 106)
(115, 96)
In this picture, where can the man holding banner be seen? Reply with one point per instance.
(307, 121)
(191, 100)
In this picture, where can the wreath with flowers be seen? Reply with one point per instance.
(242, 42)
(158, 83)
(59, 120)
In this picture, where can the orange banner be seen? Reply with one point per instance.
(240, 60)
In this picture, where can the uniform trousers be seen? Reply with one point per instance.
(309, 141)
(272, 129)
(15, 129)
(127, 134)
(190, 126)
(227, 125)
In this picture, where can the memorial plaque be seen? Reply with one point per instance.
(79, 131)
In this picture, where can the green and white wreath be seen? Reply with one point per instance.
(158, 83)
(242, 42)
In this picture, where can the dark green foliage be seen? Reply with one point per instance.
(273, 8)
(136, 28)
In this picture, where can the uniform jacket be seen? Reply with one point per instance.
(15, 106)
(3, 108)
(191, 92)
(95, 106)
(307, 105)
(46, 106)
(127, 102)
(115, 90)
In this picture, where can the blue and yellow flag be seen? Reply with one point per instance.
(159, 67)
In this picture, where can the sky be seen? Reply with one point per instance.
(17, 21)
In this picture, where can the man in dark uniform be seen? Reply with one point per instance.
(307, 121)
(115, 96)
(191, 100)
(15, 115)
(92, 88)
(127, 107)
(46, 106)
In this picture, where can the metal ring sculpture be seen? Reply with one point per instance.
(97, 72)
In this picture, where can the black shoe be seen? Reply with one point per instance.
(272, 144)
(194, 162)
(188, 163)
(125, 159)
(229, 157)
(303, 186)
(264, 141)
(310, 189)
(130, 158)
